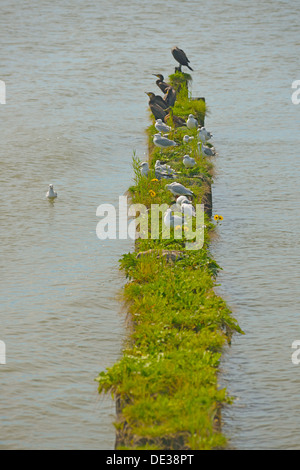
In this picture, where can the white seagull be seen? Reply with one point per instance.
(191, 122)
(187, 139)
(188, 161)
(177, 189)
(204, 135)
(163, 171)
(172, 220)
(144, 167)
(164, 167)
(51, 194)
(163, 142)
(188, 209)
(161, 126)
(207, 151)
(181, 200)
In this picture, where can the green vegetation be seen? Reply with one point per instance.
(166, 383)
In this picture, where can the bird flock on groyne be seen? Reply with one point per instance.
(161, 108)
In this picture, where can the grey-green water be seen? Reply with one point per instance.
(76, 72)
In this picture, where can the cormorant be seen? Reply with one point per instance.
(178, 121)
(170, 92)
(170, 96)
(158, 100)
(157, 111)
(160, 82)
(181, 58)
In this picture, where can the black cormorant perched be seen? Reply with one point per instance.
(170, 96)
(181, 58)
(160, 82)
(157, 111)
(158, 100)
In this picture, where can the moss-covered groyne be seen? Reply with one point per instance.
(166, 382)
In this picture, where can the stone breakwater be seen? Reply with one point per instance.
(166, 382)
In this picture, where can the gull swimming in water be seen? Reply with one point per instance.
(51, 194)
(163, 142)
(144, 167)
(177, 189)
(188, 161)
(191, 122)
(186, 139)
(161, 126)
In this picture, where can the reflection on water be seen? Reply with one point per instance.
(75, 111)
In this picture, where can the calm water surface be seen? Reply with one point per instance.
(76, 72)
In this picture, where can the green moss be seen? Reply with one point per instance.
(179, 79)
(167, 378)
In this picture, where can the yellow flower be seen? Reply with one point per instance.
(218, 217)
(178, 227)
(186, 229)
(152, 193)
(154, 179)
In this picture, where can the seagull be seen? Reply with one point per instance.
(204, 135)
(161, 126)
(186, 139)
(188, 209)
(144, 169)
(164, 167)
(51, 194)
(163, 142)
(163, 171)
(172, 220)
(160, 174)
(181, 200)
(191, 122)
(188, 161)
(178, 189)
(206, 151)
